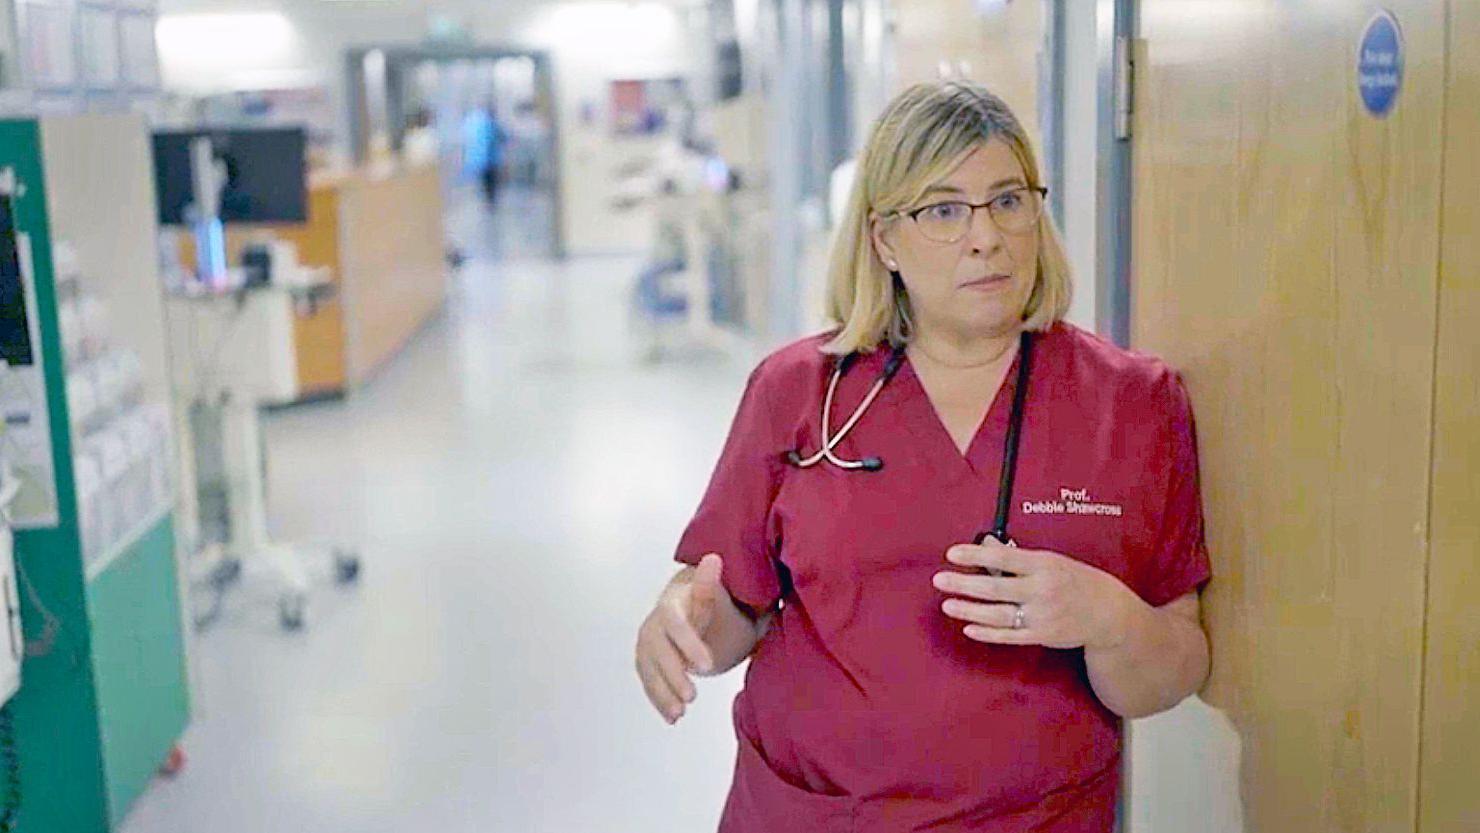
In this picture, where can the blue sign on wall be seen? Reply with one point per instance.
(1380, 64)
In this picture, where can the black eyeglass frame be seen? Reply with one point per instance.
(914, 214)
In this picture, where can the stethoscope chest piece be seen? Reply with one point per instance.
(1001, 536)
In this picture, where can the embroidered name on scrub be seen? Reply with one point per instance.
(1072, 502)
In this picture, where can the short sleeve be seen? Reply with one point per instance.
(1179, 564)
(733, 516)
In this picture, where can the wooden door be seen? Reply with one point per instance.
(1450, 763)
(1285, 253)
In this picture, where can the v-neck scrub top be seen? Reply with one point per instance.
(865, 707)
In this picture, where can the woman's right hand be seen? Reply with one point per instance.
(672, 643)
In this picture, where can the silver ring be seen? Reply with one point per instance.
(1017, 619)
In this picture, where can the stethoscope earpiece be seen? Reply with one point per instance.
(891, 366)
(830, 441)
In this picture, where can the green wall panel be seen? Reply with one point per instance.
(56, 710)
(99, 709)
(138, 651)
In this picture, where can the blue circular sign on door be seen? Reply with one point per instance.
(1380, 64)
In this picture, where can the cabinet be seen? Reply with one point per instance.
(103, 703)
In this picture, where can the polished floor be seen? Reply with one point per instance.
(519, 224)
(516, 481)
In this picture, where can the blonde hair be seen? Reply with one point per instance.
(916, 142)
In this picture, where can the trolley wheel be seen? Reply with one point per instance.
(292, 610)
(174, 763)
(346, 567)
(227, 572)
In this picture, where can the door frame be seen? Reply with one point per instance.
(1106, 271)
(401, 58)
(1118, 26)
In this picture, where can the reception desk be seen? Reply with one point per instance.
(391, 266)
(380, 236)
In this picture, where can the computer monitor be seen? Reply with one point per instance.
(266, 174)
(16, 349)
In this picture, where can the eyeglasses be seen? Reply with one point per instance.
(1015, 212)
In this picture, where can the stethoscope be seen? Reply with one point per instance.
(891, 366)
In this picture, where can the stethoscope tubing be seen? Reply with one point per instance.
(891, 366)
(1008, 474)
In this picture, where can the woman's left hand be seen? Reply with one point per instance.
(1065, 603)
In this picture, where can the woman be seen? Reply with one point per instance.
(908, 672)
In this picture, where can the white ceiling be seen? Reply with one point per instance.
(453, 7)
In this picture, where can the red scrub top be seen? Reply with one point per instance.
(865, 708)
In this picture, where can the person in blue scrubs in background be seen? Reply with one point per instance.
(484, 139)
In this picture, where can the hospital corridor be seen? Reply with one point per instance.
(739, 416)
(516, 480)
